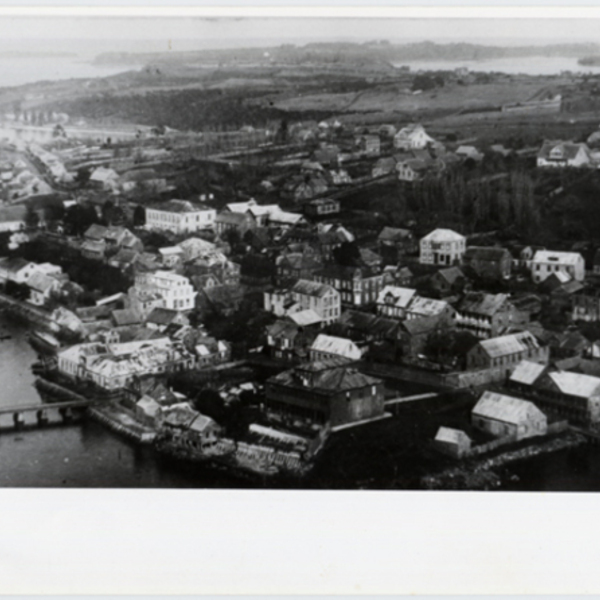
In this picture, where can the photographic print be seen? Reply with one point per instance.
(299, 253)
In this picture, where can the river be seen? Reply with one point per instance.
(86, 454)
(80, 455)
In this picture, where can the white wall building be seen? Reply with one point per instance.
(442, 247)
(176, 290)
(180, 216)
(547, 262)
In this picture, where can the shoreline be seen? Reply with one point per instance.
(481, 475)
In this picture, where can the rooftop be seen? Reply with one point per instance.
(499, 407)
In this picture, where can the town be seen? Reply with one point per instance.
(279, 297)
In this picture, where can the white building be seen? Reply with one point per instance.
(321, 300)
(547, 262)
(113, 366)
(176, 290)
(412, 137)
(563, 154)
(180, 216)
(17, 270)
(328, 346)
(442, 247)
(393, 301)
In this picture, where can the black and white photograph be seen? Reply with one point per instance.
(308, 253)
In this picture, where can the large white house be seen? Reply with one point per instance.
(113, 366)
(412, 137)
(563, 154)
(176, 290)
(180, 216)
(442, 247)
(547, 262)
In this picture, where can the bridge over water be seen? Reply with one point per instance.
(66, 411)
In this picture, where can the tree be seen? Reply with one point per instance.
(108, 212)
(139, 216)
(210, 403)
(32, 219)
(347, 254)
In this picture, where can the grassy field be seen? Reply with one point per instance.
(389, 98)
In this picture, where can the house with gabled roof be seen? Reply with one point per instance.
(330, 346)
(560, 154)
(548, 262)
(504, 353)
(484, 315)
(505, 416)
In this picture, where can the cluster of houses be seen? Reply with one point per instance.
(336, 303)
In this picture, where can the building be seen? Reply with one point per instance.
(241, 222)
(357, 286)
(426, 308)
(505, 416)
(144, 300)
(413, 169)
(412, 137)
(393, 301)
(369, 144)
(290, 342)
(488, 263)
(17, 270)
(41, 288)
(161, 318)
(180, 216)
(323, 299)
(176, 290)
(505, 352)
(548, 262)
(484, 315)
(115, 366)
(322, 207)
(395, 243)
(292, 266)
(563, 154)
(453, 442)
(574, 396)
(449, 281)
(586, 306)
(328, 346)
(324, 393)
(442, 247)
(210, 351)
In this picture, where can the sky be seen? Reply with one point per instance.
(157, 34)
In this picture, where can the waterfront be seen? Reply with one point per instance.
(88, 455)
(79, 455)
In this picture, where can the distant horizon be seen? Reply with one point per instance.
(153, 34)
(90, 47)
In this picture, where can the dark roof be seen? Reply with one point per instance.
(13, 264)
(480, 303)
(450, 275)
(125, 316)
(310, 288)
(394, 234)
(486, 253)
(324, 378)
(162, 316)
(234, 218)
